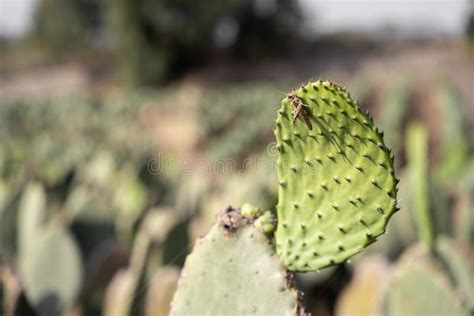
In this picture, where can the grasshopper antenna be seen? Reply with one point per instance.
(281, 92)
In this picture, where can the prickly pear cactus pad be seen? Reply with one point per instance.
(420, 287)
(51, 271)
(233, 270)
(337, 184)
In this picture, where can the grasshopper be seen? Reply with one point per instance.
(299, 109)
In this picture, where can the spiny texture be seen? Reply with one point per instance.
(419, 287)
(234, 271)
(337, 183)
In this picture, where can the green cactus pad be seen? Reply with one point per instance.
(51, 271)
(419, 287)
(119, 295)
(32, 216)
(417, 152)
(160, 291)
(364, 295)
(337, 183)
(233, 270)
(124, 292)
(456, 262)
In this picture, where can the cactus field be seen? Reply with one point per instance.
(337, 193)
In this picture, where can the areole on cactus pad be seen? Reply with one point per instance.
(337, 183)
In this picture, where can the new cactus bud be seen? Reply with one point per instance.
(250, 211)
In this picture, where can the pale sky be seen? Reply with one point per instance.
(447, 17)
(430, 17)
(15, 16)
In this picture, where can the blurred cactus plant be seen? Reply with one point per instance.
(417, 145)
(420, 287)
(435, 268)
(82, 204)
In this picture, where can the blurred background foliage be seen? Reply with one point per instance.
(154, 41)
(127, 125)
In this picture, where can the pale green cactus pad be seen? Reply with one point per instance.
(51, 271)
(417, 153)
(337, 183)
(419, 287)
(455, 261)
(233, 270)
(364, 295)
(160, 291)
(32, 216)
